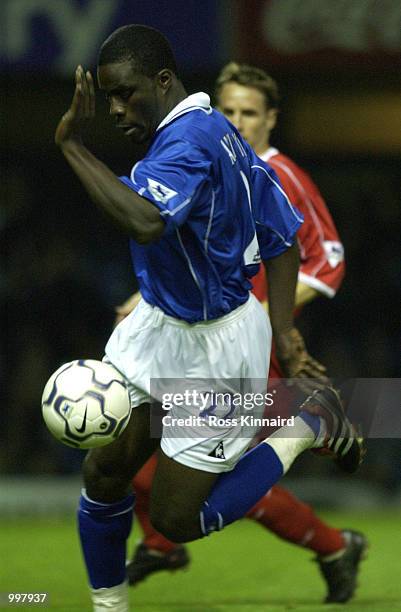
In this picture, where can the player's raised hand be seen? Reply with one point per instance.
(298, 366)
(81, 110)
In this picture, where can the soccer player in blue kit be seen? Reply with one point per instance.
(201, 212)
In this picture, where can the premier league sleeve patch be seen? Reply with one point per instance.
(171, 177)
(160, 192)
(334, 252)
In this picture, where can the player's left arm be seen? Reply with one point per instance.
(135, 215)
(322, 266)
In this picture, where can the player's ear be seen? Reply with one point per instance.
(164, 79)
(271, 118)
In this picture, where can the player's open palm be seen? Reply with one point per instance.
(81, 110)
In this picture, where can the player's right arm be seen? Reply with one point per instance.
(135, 215)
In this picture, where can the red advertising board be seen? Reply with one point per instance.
(316, 34)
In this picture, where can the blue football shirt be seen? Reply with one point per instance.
(223, 207)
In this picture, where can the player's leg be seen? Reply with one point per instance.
(276, 511)
(188, 502)
(155, 552)
(106, 508)
(178, 493)
(338, 552)
(183, 497)
(261, 467)
(108, 470)
(142, 484)
(233, 493)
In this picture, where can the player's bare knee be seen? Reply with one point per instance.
(174, 525)
(171, 530)
(102, 483)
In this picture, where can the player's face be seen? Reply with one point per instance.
(135, 101)
(246, 108)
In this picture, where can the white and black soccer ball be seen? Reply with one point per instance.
(85, 403)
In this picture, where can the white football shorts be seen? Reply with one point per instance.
(229, 354)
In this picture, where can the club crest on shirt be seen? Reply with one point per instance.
(334, 252)
(160, 192)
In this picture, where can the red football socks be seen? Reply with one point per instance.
(294, 521)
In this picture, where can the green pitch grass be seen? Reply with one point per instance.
(243, 569)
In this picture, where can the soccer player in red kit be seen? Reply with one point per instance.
(249, 99)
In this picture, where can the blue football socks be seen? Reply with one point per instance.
(237, 491)
(104, 529)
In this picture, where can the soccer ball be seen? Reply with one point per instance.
(85, 403)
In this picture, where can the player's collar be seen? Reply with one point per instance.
(270, 152)
(196, 101)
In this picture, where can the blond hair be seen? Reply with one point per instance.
(249, 76)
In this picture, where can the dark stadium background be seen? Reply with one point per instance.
(64, 268)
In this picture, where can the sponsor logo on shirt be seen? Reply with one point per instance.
(160, 192)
